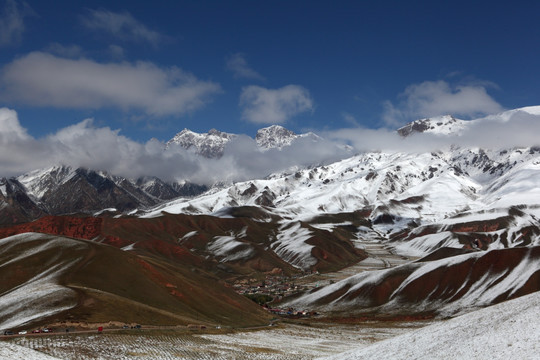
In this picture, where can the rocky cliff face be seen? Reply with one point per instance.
(66, 190)
(210, 145)
(15, 204)
(275, 136)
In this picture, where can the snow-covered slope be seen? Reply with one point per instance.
(402, 192)
(426, 186)
(62, 190)
(504, 331)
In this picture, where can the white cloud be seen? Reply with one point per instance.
(274, 106)
(12, 21)
(10, 128)
(432, 98)
(240, 68)
(121, 25)
(41, 79)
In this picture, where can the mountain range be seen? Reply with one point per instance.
(60, 190)
(467, 216)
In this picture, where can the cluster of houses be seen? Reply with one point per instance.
(290, 312)
(275, 286)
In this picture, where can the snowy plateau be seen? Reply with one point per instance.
(450, 234)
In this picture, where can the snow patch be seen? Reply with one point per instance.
(291, 246)
(229, 249)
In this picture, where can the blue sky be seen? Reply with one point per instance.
(154, 68)
(104, 85)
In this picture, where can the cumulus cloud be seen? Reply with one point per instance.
(274, 106)
(432, 98)
(85, 145)
(10, 128)
(240, 68)
(12, 21)
(42, 79)
(123, 26)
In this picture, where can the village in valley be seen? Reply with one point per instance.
(273, 288)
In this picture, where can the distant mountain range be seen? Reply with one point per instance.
(212, 144)
(66, 190)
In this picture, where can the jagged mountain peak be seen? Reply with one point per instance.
(209, 145)
(212, 144)
(443, 125)
(275, 136)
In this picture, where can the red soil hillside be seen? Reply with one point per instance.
(186, 238)
(49, 279)
(442, 286)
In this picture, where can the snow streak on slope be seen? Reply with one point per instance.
(41, 295)
(228, 248)
(291, 246)
(446, 287)
(504, 331)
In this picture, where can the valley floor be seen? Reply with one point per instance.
(503, 331)
(285, 341)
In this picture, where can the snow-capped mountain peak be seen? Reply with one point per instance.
(442, 125)
(274, 136)
(210, 145)
(277, 137)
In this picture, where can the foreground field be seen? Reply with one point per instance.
(287, 341)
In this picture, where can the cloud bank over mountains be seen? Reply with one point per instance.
(103, 148)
